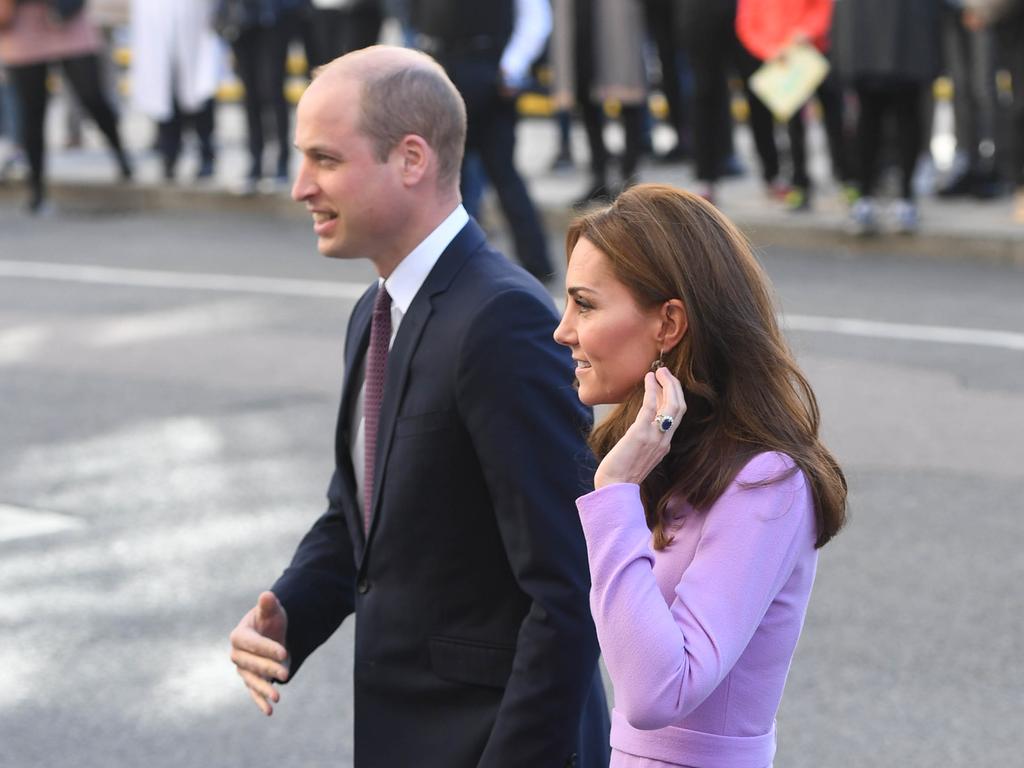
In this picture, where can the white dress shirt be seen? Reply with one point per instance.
(403, 284)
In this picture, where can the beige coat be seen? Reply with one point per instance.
(618, 39)
(110, 13)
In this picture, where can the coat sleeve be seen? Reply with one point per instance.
(515, 394)
(317, 589)
(665, 660)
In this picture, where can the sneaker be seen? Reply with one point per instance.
(776, 189)
(206, 169)
(863, 219)
(797, 200)
(904, 214)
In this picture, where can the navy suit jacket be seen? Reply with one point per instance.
(474, 641)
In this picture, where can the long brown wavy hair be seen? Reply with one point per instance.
(744, 392)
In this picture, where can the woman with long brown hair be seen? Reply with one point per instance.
(713, 493)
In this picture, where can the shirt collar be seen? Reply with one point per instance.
(405, 282)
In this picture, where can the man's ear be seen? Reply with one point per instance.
(416, 158)
(674, 323)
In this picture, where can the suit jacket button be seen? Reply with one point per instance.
(363, 586)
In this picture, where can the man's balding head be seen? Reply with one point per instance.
(404, 92)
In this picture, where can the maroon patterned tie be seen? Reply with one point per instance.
(376, 367)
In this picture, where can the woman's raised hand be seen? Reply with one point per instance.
(648, 439)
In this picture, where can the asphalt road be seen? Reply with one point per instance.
(168, 389)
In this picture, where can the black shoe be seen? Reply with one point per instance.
(958, 187)
(986, 187)
(205, 168)
(732, 168)
(678, 154)
(562, 162)
(124, 167)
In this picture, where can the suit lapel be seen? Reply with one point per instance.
(404, 348)
(355, 352)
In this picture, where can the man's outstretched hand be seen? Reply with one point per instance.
(257, 649)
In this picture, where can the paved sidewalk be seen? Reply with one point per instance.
(83, 179)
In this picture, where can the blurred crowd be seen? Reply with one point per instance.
(596, 60)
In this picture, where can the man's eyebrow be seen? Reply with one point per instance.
(318, 149)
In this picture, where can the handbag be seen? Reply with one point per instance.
(65, 10)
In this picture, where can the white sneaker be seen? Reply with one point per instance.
(863, 220)
(904, 216)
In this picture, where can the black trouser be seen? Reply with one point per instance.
(593, 112)
(900, 102)
(169, 134)
(260, 57)
(969, 57)
(709, 34)
(337, 32)
(83, 73)
(661, 26)
(1010, 38)
(830, 96)
(491, 134)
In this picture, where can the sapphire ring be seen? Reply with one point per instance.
(663, 422)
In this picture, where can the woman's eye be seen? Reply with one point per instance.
(582, 305)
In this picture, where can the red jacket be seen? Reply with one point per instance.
(765, 27)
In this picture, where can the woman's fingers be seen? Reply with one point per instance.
(652, 392)
(675, 400)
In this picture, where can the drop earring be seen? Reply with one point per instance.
(660, 362)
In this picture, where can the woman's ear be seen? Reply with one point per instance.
(673, 323)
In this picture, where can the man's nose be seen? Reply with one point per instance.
(304, 186)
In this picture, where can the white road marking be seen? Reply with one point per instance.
(19, 343)
(21, 523)
(200, 281)
(181, 321)
(847, 326)
(852, 326)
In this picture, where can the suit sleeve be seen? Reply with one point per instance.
(515, 393)
(317, 589)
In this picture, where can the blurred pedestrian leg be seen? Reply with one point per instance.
(34, 41)
(177, 64)
(487, 49)
(599, 60)
(259, 35)
(970, 57)
(887, 51)
(1009, 32)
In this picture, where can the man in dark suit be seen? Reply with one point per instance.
(451, 529)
